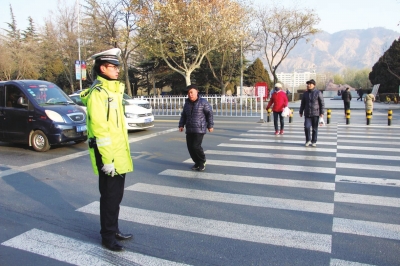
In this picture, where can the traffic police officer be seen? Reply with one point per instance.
(108, 142)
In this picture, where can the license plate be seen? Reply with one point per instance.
(147, 120)
(80, 128)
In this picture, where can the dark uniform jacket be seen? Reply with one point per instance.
(312, 103)
(197, 116)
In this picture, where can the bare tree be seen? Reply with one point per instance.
(281, 29)
(183, 32)
(113, 23)
(66, 25)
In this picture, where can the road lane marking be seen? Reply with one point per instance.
(77, 252)
(251, 179)
(368, 180)
(367, 199)
(72, 156)
(273, 155)
(238, 199)
(365, 228)
(281, 167)
(230, 230)
(284, 141)
(271, 147)
(26, 168)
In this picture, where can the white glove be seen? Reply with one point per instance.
(109, 169)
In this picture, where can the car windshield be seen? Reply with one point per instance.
(126, 96)
(48, 94)
(76, 99)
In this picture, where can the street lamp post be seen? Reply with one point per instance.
(294, 78)
(79, 47)
(241, 69)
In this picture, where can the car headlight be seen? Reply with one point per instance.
(56, 117)
(130, 115)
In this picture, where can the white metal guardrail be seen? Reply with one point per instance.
(221, 105)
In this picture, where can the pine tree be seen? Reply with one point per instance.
(386, 71)
(257, 73)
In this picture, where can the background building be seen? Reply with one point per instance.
(297, 80)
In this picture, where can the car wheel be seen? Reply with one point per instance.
(39, 141)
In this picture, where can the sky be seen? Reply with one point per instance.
(335, 15)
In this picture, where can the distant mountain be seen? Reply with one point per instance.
(335, 52)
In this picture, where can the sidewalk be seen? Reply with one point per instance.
(354, 105)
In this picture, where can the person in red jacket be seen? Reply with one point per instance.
(278, 101)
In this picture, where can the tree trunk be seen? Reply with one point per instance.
(127, 83)
(187, 78)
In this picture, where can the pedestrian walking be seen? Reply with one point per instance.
(346, 97)
(108, 142)
(312, 106)
(196, 117)
(360, 93)
(369, 100)
(278, 102)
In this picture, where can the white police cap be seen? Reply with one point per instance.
(110, 56)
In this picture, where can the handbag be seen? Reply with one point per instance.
(321, 122)
(286, 112)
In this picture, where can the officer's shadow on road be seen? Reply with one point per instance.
(43, 206)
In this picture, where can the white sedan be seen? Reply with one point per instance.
(136, 117)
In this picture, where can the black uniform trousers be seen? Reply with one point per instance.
(111, 193)
(193, 142)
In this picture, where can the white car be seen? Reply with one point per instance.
(138, 101)
(136, 117)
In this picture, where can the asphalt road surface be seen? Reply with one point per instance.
(262, 200)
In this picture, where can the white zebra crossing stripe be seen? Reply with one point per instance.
(342, 140)
(251, 233)
(273, 155)
(369, 167)
(248, 200)
(282, 140)
(345, 147)
(367, 199)
(367, 156)
(77, 252)
(365, 228)
(368, 180)
(292, 132)
(281, 167)
(251, 179)
(336, 262)
(272, 147)
(368, 137)
(297, 136)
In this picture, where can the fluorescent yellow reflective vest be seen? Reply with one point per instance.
(106, 123)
